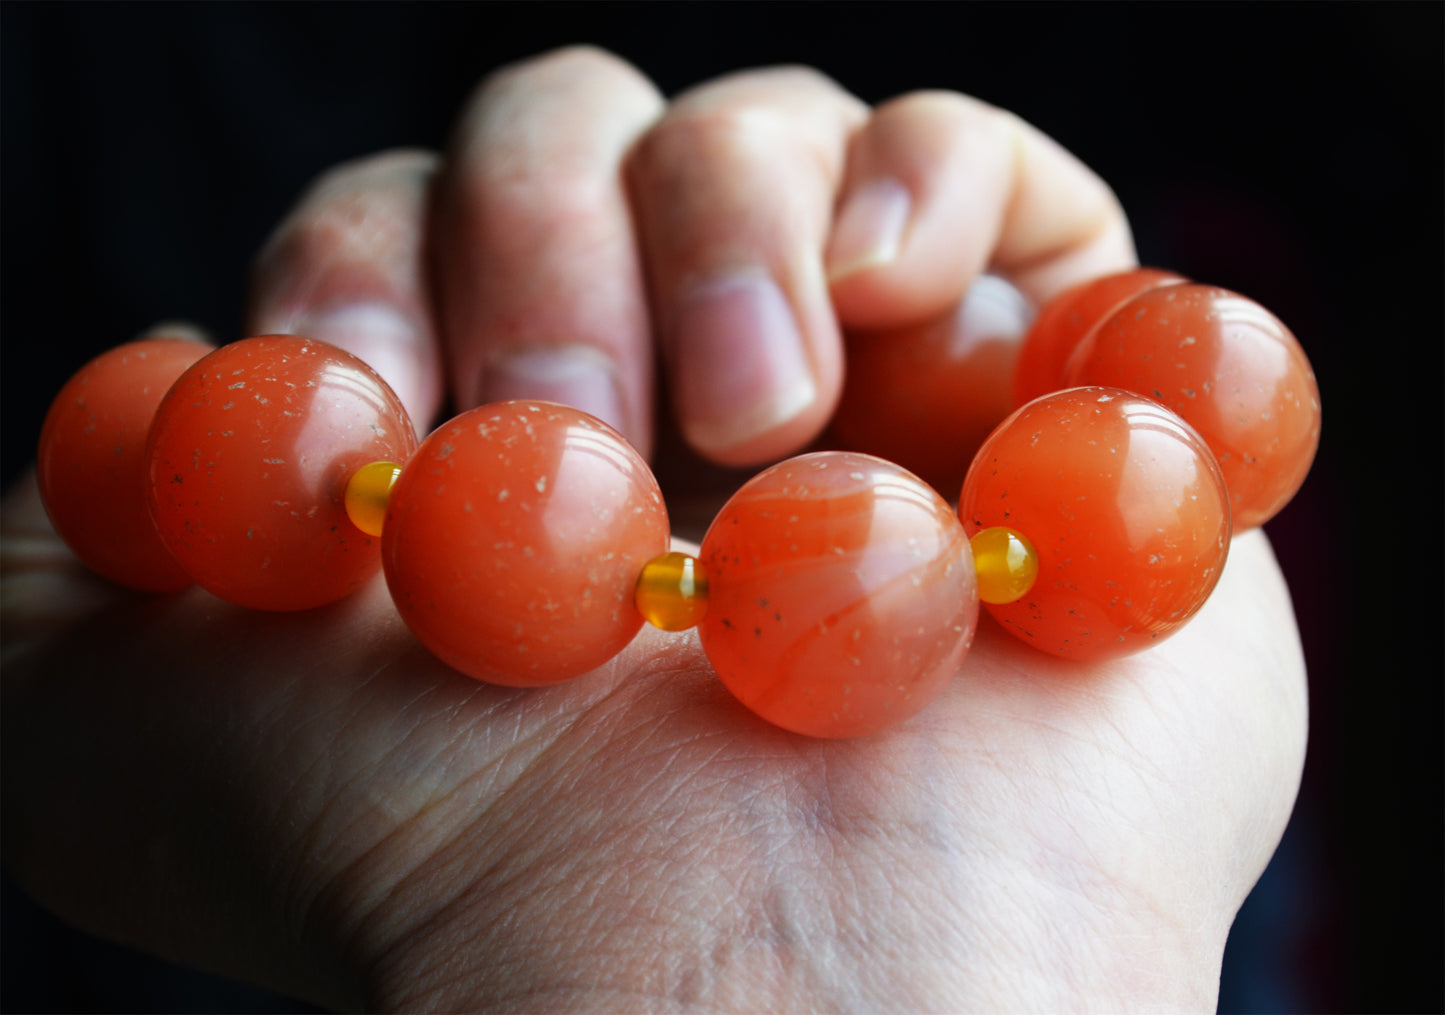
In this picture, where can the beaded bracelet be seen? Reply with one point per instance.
(835, 594)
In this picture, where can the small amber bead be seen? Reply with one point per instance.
(367, 493)
(672, 591)
(1007, 564)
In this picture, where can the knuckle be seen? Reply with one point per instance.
(351, 223)
(951, 111)
(576, 66)
(782, 83)
(794, 77)
(404, 169)
(711, 133)
(727, 141)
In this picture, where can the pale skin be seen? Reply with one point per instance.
(313, 803)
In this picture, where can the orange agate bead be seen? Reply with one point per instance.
(514, 539)
(249, 458)
(1067, 319)
(842, 595)
(1126, 508)
(1232, 370)
(92, 464)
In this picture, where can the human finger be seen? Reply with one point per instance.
(347, 266)
(941, 186)
(541, 291)
(733, 191)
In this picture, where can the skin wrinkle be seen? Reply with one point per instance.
(481, 782)
(653, 729)
(662, 845)
(382, 812)
(471, 840)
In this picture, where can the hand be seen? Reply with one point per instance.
(312, 802)
(578, 221)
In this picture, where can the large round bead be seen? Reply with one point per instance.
(842, 595)
(514, 539)
(92, 466)
(1229, 368)
(1126, 508)
(249, 458)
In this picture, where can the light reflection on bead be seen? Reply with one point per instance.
(672, 591)
(367, 493)
(1007, 564)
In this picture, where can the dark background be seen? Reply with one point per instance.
(1291, 152)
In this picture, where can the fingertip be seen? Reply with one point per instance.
(922, 202)
(941, 187)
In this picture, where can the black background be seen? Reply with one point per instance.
(1291, 152)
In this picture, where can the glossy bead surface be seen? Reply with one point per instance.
(368, 492)
(514, 540)
(1126, 508)
(91, 463)
(842, 594)
(925, 396)
(249, 459)
(671, 591)
(1066, 319)
(1007, 564)
(1232, 370)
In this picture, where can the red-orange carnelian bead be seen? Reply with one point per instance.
(92, 467)
(1065, 321)
(1127, 511)
(514, 538)
(249, 457)
(842, 595)
(1232, 370)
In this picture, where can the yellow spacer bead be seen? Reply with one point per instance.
(1007, 564)
(672, 591)
(367, 493)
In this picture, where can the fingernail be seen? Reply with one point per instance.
(576, 375)
(741, 366)
(993, 308)
(869, 229)
(381, 337)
